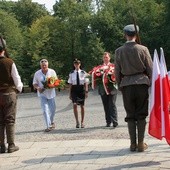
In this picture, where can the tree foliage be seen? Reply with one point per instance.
(79, 29)
(27, 12)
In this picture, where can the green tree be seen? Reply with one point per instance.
(11, 32)
(76, 36)
(115, 14)
(166, 31)
(27, 12)
(38, 42)
(7, 5)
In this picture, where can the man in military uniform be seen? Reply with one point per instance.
(133, 69)
(10, 84)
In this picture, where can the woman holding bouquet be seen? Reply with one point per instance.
(108, 92)
(78, 90)
(46, 93)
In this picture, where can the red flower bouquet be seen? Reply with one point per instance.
(103, 75)
(53, 82)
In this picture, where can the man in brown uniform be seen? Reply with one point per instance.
(10, 84)
(133, 69)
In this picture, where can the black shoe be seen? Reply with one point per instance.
(3, 149)
(78, 126)
(108, 124)
(12, 148)
(115, 124)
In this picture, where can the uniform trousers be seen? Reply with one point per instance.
(135, 98)
(8, 103)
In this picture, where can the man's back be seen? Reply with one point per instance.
(134, 62)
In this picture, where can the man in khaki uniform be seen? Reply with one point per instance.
(133, 69)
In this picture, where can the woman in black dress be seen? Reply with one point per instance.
(78, 90)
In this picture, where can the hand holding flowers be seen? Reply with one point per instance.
(103, 75)
(54, 82)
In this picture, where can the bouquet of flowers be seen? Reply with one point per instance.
(54, 82)
(103, 75)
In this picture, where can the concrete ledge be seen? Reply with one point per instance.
(26, 89)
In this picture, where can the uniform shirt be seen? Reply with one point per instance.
(82, 77)
(39, 78)
(133, 65)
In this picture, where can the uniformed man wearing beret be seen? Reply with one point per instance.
(133, 69)
(10, 84)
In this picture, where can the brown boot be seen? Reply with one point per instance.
(133, 147)
(141, 124)
(142, 147)
(132, 134)
(10, 131)
(12, 148)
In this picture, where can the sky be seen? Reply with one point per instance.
(48, 3)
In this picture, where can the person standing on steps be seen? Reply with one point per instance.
(78, 91)
(10, 85)
(133, 71)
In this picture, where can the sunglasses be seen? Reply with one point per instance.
(43, 61)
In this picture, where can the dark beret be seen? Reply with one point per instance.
(130, 29)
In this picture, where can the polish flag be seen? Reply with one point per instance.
(159, 124)
(155, 127)
(165, 98)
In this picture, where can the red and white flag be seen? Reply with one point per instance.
(159, 124)
(165, 98)
(155, 128)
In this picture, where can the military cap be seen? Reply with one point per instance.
(76, 61)
(130, 29)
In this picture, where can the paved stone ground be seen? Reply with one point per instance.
(67, 148)
(30, 123)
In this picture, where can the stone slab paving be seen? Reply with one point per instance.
(66, 148)
(112, 154)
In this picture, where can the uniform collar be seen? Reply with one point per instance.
(129, 41)
(77, 70)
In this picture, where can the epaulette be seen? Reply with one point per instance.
(72, 71)
(82, 71)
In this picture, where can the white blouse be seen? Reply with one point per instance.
(82, 77)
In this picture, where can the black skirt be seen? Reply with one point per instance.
(78, 94)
